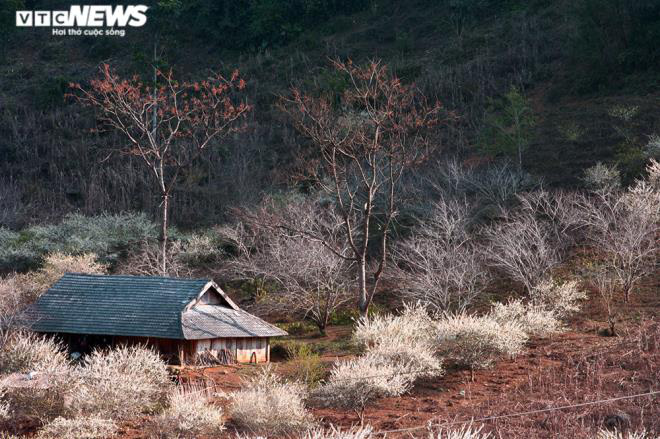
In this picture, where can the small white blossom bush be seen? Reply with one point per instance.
(535, 320)
(606, 434)
(336, 433)
(268, 404)
(79, 428)
(417, 359)
(466, 432)
(189, 414)
(562, 298)
(28, 352)
(120, 383)
(412, 326)
(478, 341)
(354, 383)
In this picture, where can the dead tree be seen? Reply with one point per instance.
(168, 125)
(361, 148)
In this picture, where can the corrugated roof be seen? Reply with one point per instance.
(206, 321)
(138, 306)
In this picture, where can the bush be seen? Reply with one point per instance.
(26, 352)
(465, 432)
(476, 342)
(120, 383)
(306, 364)
(561, 298)
(416, 359)
(602, 177)
(79, 428)
(270, 405)
(412, 326)
(189, 414)
(105, 236)
(533, 319)
(336, 433)
(605, 434)
(354, 383)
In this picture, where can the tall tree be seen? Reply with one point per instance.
(362, 145)
(169, 124)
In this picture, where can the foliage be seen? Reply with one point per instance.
(104, 235)
(602, 177)
(614, 38)
(306, 363)
(267, 404)
(79, 428)
(607, 434)
(28, 352)
(120, 383)
(509, 126)
(477, 342)
(189, 413)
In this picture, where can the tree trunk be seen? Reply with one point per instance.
(363, 298)
(163, 235)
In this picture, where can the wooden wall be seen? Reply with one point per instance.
(245, 350)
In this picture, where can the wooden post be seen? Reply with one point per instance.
(182, 360)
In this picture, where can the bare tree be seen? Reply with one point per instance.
(312, 280)
(169, 126)
(440, 263)
(520, 247)
(624, 225)
(362, 147)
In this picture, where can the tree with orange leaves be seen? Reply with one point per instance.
(168, 125)
(362, 146)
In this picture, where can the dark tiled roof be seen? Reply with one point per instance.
(206, 321)
(138, 306)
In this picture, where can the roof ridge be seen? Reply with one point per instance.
(133, 276)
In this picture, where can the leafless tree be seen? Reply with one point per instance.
(440, 263)
(147, 260)
(362, 147)
(623, 226)
(312, 280)
(520, 247)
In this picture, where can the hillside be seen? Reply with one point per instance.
(465, 55)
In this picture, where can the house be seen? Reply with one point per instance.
(182, 318)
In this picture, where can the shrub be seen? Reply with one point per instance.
(476, 342)
(120, 383)
(354, 383)
(336, 433)
(561, 298)
(43, 400)
(466, 432)
(25, 352)
(79, 428)
(533, 319)
(601, 177)
(417, 359)
(270, 405)
(306, 364)
(605, 434)
(412, 326)
(104, 235)
(189, 414)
